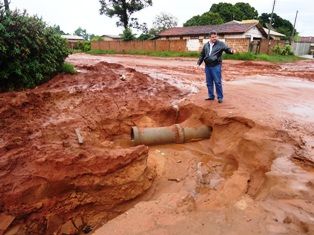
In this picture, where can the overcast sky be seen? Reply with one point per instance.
(71, 14)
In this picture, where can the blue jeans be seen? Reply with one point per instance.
(213, 75)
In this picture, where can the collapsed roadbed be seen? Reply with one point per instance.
(254, 173)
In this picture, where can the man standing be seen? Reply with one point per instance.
(211, 55)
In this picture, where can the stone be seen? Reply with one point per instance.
(5, 221)
(68, 228)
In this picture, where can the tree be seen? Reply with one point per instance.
(279, 24)
(208, 18)
(248, 12)
(127, 35)
(239, 11)
(123, 9)
(58, 30)
(164, 21)
(82, 32)
(6, 5)
(226, 10)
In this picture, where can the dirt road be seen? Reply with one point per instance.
(254, 176)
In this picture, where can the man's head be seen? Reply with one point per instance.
(213, 36)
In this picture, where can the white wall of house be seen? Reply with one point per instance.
(197, 44)
(193, 44)
(252, 33)
(235, 35)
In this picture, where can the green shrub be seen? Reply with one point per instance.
(97, 39)
(30, 51)
(282, 50)
(83, 46)
(68, 68)
(127, 35)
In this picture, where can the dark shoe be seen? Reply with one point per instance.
(210, 99)
(220, 101)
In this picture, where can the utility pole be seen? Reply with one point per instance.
(293, 32)
(270, 21)
(6, 5)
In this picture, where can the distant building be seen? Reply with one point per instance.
(72, 40)
(307, 39)
(111, 38)
(234, 29)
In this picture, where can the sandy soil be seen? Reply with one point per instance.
(253, 176)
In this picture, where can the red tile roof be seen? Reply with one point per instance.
(231, 27)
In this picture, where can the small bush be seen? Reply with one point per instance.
(282, 50)
(68, 68)
(127, 35)
(30, 51)
(83, 46)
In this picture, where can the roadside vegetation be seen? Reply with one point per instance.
(31, 52)
(238, 56)
(68, 68)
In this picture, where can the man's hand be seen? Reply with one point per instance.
(197, 66)
(234, 51)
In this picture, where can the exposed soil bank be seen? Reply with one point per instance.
(254, 176)
(49, 183)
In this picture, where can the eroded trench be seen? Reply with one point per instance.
(95, 182)
(234, 162)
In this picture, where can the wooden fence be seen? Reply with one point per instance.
(150, 45)
(241, 44)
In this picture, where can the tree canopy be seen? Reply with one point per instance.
(123, 9)
(279, 24)
(164, 21)
(208, 18)
(224, 12)
(82, 32)
(247, 12)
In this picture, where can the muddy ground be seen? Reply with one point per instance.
(253, 176)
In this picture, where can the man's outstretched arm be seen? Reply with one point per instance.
(202, 56)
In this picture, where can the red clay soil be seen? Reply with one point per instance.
(49, 182)
(253, 176)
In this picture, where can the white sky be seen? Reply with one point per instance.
(71, 14)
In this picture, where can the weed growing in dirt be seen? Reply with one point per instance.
(101, 52)
(68, 68)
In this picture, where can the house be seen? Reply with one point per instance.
(73, 40)
(111, 38)
(232, 29)
(309, 41)
(244, 35)
(275, 35)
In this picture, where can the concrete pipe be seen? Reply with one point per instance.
(168, 135)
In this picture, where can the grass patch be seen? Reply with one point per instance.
(101, 52)
(68, 68)
(195, 54)
(262, 57)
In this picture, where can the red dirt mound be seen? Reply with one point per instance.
(49, 182)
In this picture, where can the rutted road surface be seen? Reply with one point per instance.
(253, 176)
